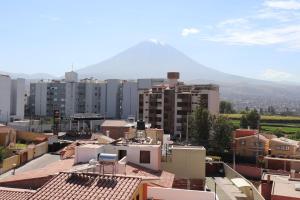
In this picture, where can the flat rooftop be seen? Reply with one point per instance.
(282, 186)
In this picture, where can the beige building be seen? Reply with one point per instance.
(249, 145)
(284, 147)
(7, 136)
(167, 105)
(186, 162)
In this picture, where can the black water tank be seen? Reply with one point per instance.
(140, 125)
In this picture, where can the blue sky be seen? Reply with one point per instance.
(255, 38)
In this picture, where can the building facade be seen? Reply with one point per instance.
(112, 98)
(12, 98)
(167, 105)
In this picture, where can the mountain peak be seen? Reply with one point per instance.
(155, 41)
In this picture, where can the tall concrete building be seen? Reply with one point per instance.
(5, 96)
(17, 107)
(113, 98)
(12, 98)
(167, 105)
(129, 99)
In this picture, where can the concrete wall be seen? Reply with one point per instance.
(71, 92)
(5, 98)
(40, 149)
(84, 153)
(178, 194)
(186, 162)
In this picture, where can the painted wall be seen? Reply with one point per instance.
(178, 194)
(8, 163)
(186, 162)
(40, 149)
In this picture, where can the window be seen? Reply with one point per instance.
(145, 157)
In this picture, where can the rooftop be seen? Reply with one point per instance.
(261, 137)
(15, 194)
(88, 186)
(116, 123)
(282, 185)
(286, 141)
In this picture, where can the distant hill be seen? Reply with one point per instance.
(153, 59)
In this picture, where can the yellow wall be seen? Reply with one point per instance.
(277, 152)
(40, 149)
(186, 163)
(8, 163)
(138, 191)
(249, 148)
(30, 150)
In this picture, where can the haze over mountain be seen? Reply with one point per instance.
(153, 59)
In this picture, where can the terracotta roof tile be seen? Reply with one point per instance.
(87, 186)
(15, 194)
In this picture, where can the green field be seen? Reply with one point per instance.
(289, 125)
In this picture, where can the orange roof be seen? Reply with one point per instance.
(244, 132)
(51, 169)
(15, 194)
(88, 186)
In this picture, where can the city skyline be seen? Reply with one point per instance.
(257, 39)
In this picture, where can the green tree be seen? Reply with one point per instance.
(200, 126)
(297, 135)
(251, 120)
(226, 107)
(244, 121)
(278, 132)
(222, 134)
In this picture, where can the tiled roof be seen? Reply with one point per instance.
(14, 194)
(82, 186)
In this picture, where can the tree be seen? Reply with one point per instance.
(297, 135)
(226, 107)
(200, 126)
(278, 132)
(222, 134)
(244, 121)
(251, 120)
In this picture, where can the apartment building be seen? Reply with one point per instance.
(167, 105)
(12, 98)
(112, 98)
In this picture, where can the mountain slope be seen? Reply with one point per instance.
(152, 59)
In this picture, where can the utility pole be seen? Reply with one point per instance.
(187, 129)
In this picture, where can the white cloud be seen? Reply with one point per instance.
(281, 4)
(271, 24)
(275, 75)
(289, 35)
(189, 31)
(238, 21)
